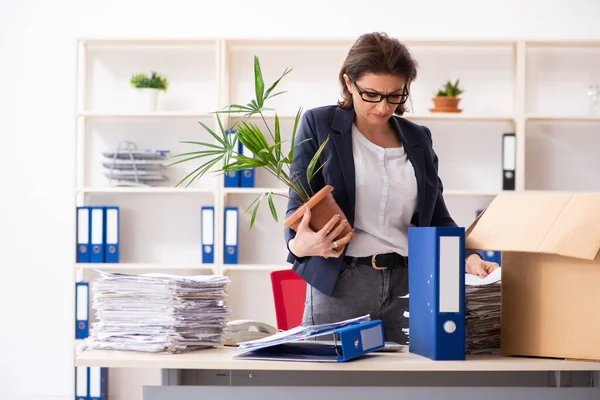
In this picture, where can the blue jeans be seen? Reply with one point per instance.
(360, 290)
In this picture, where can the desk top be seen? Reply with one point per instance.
(221, 358)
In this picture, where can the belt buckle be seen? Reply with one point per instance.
(374, 264)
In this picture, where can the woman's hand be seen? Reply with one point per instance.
(475, 265)
(310, 243)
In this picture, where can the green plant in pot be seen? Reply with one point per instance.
(148, 88)
(221, 156)
(446, 99)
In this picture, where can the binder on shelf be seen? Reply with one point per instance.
(509, 160)
(352, 339)
(437, 292)
(207, 234)
(97, 234)
(111, 244)
(246, 175)
(82, 307)
(232, 178)
(82, 377)
(98, 383)
(490, 255)
(231, 235)
(83, 234)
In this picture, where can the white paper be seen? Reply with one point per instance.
(475, 280)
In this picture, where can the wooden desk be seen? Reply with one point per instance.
(213, 373)
(221, 359)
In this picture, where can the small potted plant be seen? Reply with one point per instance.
(446, 99)
(266, 153)
(148, 89)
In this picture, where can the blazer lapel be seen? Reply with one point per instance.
(416, 155)
(342, 140)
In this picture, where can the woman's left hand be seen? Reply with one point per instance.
(475, 265)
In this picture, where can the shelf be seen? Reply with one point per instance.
(156, 114)
(221, 359)
(149, 42)
(255, 191)
(566, 118)
(143, 266)
(255, 267)
(459, 117)
(157, 190)
(564, 44)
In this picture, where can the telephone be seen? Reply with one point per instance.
(243, 330)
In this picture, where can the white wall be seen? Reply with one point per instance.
(37, 69)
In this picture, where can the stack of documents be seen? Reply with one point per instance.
(482, 313)
(158, 312)
(128, 166)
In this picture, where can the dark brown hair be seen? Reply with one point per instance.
(377, 53)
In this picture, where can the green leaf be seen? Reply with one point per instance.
(276, 94)
(198, 155)
(213, 134)
(296, 123)
(310, 170)
(277, 138)
(259, 84)
(257, 201)
(272, 207)
(203, 144)
(285, 72)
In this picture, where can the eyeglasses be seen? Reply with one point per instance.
(371, 97)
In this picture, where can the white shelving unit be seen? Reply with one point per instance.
(535, 89)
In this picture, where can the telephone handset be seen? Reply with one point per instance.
(244, 330)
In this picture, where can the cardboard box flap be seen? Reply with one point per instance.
(566, 224)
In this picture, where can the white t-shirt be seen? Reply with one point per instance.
(386, 197)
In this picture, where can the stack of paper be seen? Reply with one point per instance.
(482, 313)
(158, 312)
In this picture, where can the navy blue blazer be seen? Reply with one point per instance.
(319, 123)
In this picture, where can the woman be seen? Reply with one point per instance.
(384, 172)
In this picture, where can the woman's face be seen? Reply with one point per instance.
(371, 86)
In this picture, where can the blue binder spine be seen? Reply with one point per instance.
(436, 287)
(246, 175)
(360, 339)
(82, 296)
(231, 236)
(232, 178)
(82, 379)
(207, 232)
(83, 219)
(98, 383)
(97, 234)
(111, 230)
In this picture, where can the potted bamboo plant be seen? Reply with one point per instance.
(265, 146)
(446, 99)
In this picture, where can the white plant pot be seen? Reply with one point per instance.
(145, 99)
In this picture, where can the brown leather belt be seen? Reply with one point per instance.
(382, 261)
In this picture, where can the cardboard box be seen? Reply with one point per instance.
(550, 271)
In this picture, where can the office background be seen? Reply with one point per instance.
(37, 125)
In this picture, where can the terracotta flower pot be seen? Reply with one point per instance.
(445, 104)
(322, 207)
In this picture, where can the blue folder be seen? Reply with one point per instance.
(111, 234)
(436, 283)
(351, 341)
